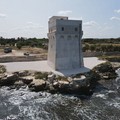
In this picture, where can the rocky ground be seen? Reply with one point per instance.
(43, 81)
(37, 81)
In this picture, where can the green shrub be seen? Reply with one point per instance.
(62, 78)
(93, 76)
(104, 67)
(2, 69)
(105, 70)
(19, 46)
(40, 75)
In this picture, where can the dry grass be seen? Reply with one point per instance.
(34, 50)
(111, 58)
(39, 53)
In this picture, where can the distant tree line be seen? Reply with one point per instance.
(101, 45)
(102, 40)
(89, 44)
(20, 42)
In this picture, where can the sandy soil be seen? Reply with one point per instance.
(13, 53)
(31, 51)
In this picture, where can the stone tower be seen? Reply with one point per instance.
(65, 48)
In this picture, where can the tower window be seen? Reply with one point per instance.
(76, 29)
(62, 28)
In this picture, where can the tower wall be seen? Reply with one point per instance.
(65, 48)
(52, 50)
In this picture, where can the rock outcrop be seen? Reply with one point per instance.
(8, 79)
(77, 84)
(37, 85)
(105, 70)
(27, 80)
(51, 82)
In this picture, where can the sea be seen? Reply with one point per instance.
(22, 104)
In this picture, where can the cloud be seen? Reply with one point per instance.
(64, 12)
(30, 23)
(2, 15)
(117, 11)
(29, 26)
(76, 18)
(90, 23)
(97, 30)
(28, 29)
(115, 18)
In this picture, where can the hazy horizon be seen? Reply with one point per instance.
(29, 18)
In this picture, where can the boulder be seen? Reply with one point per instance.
(22, 73)
(27, 80)
(19, 83)
(56, 85)
(51, 78)
(8, 79)
(70, 79)
(78, 85)
(80, 81)
(37, 85)
(51, 89)
(105, 70)
(64, 86)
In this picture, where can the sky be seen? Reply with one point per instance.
(29, 18)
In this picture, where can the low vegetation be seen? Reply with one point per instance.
(41, 75)
(21, 42)
(101, 45)
(110, 58)
(89, 44)
(105, 70)
(62, 78)
(2, 69)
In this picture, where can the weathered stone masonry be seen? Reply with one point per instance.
(65, 48)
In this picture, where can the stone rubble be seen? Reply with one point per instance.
(53, 83)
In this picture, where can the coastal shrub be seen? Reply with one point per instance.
(105, 70)
(62, 78)
(93, 76)
(40, 75)
(104, 67)
(19, 46)
(2, 69)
